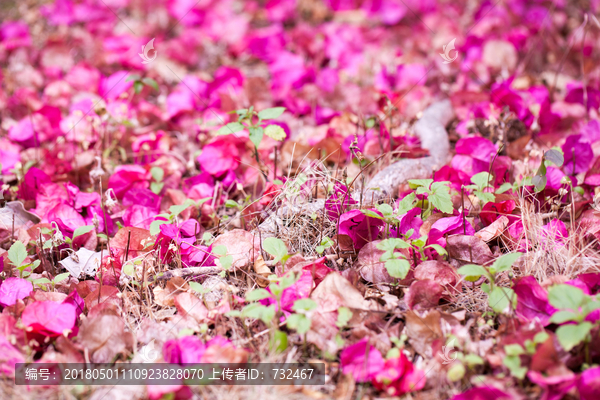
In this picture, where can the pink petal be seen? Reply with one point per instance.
(355, 360)
(13, 289)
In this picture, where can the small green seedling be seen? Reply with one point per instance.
(396, 263)
(253, 121)
(325, 244)
(57, 279)
(512, 360)
(552, 156)
(257, 311)
(500, 299)
(157, 184)
(420, 245)
(300, 321)
(17, 255)
(389, 215)
(481, 181)
(225, 260)
(438, 195)
(574, 306)
(277, 249)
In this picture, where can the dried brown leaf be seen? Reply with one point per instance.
(137, 242)
(464, 249)
(189, 305)
(260, 267)
(494, 230)
(166, 297)
(423, 330)
(423, 294)
(438, 271)
(104, 337)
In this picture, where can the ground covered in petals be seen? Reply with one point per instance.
(406, 191)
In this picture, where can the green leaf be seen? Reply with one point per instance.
(233, 314)
(299, 322)
(268, 314)
(541, 337)
(555, 156)
(420, 242)
(279, 343)
(258, 311)
(82, 230)
(570, 336)
(226, 262)
(138, 86)
(565, 297)
(473, 271)
(177, 209)
(155, 226)
(61, 277)
(440, 186)
(156, 187)
(440, 250)
(128, 269)
(385, 209)
(563, 316)
(198, 288)
(41, 281)
(473, 359)
(151, 82)
(231, 204)
(441, 199)
(591, 306)
(456, 372)
(157, 173)
(407, 203)
(253, 310)
(505, 262)
(504, 187)
(485, 197)
(397, 268)
(288, 280)
(513, 350)
(391, 244)
(257, 294)
(327, 242)
(371, 214)
(275, 132)
(242, 111)
(304, 305)
(344, 316)
(17, 253)
(513, 363)
(219, 250)
(232, 127)
(271, 113)
(539, 181)
(500, 299)
(132, 77)
(526, 181)
(415, 183)
(486, 288)
(275, 247)
(481, 179)
(256, 135)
